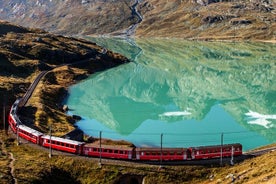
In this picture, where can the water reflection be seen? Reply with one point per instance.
(172, 83)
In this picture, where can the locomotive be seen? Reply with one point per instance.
(119, 152)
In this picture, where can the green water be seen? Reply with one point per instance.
(191, 93)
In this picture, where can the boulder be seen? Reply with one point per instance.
(65, 108)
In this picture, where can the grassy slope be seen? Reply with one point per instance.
(32, 165)
(221, 21)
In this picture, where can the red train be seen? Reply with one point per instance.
(29, 134)
(13, 118)
(120, 152)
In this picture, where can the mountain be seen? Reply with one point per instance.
(71, 16)
(190, 19)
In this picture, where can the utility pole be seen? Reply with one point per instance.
(50, 147)
(221, 145)
(4, 114)
(161, 149)
(100, 162)
(17, 134)
(232, 156)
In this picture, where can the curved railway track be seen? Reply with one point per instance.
(31, 89)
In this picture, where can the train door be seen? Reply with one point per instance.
(189, 153)
(137, 154)
(133, 153)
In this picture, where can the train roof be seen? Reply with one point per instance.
(159, 149)
(30, 130)
(15, 118)
(15, 105)
(216, 146)
(59, 139)
(113, 147)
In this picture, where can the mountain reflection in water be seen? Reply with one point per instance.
(189, 91)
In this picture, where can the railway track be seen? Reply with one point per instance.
(31, 89)
(260, 152)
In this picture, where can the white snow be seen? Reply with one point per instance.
(260, 119)
(176, 113)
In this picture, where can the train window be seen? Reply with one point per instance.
(95, 149)
(116, 151)
(179, 153)
(121, 152)
(172, 153)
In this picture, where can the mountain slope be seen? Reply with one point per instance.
(71, 16)
(223, 20)
(197, 19)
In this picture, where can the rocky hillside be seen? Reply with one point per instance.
(190, 19)
(212, 19)
(71, 16)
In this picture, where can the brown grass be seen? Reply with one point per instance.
(214, 21)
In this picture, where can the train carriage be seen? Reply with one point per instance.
(29, 134)
(208, 152)
(154, 154)
(62, 144)
(108, 151)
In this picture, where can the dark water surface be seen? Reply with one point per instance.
(189, 92)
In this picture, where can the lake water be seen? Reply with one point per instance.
(182, 93)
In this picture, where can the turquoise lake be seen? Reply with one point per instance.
(191, 93)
